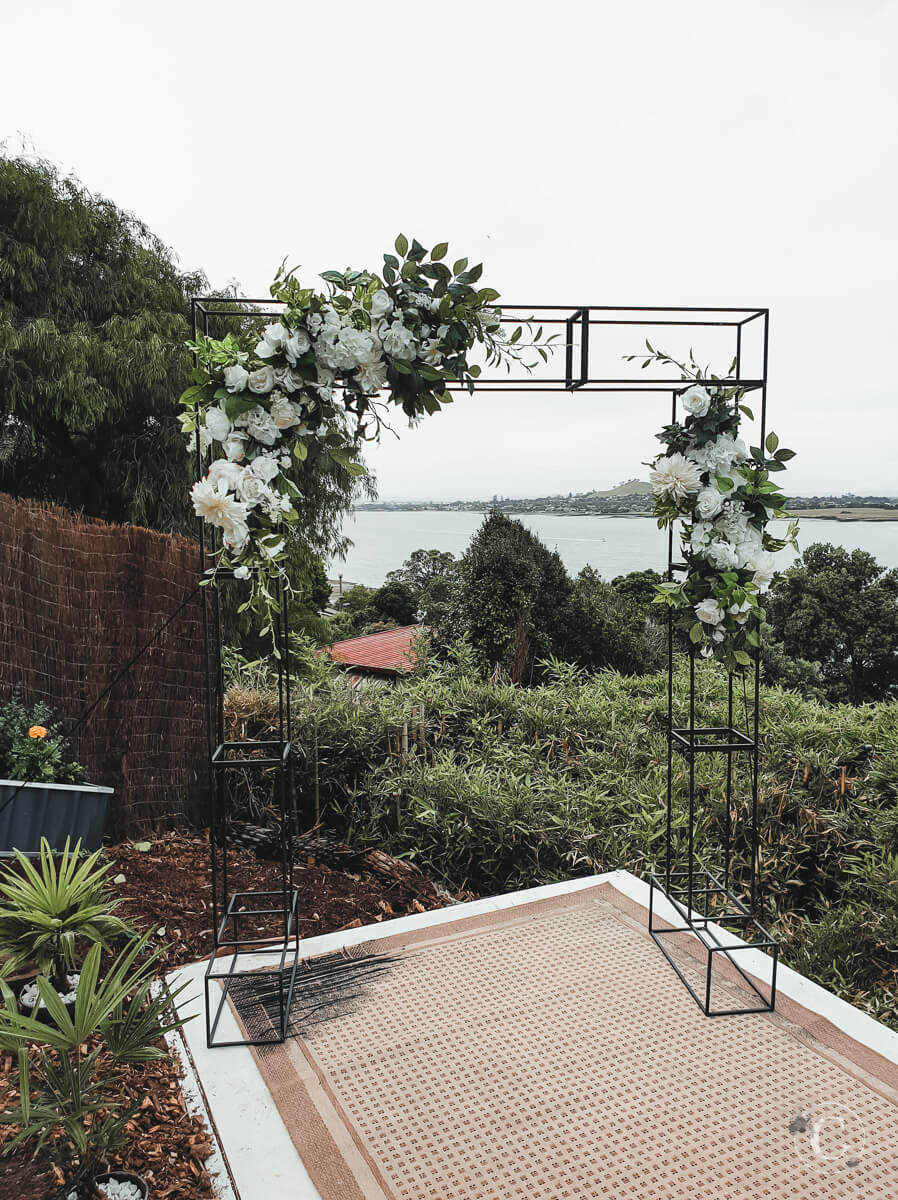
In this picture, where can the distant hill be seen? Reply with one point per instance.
(630, 487)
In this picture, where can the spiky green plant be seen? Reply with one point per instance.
(46, 908)
(68, 1112)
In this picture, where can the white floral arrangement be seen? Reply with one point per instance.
(261, 407)
(721, 493)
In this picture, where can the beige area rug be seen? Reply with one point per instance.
(548, 1052)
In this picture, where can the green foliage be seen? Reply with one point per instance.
(367, 609)
(512, 597)
(431, 575)
(34, 759)
(639, 587)
(609, 629)
(789, 671)
(61, 1089)
(395, 602)
(45, 908)
(93, 320)
(507, 787)
(839, 608)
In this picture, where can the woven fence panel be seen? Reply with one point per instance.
(78, 598)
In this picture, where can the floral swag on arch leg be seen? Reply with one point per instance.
(723, 495)
(265, 408)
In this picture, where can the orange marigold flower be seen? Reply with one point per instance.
(37, 731)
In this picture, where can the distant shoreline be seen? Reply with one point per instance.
(820, 514)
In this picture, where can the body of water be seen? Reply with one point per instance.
(612, 545)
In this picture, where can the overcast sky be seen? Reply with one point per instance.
(693, 153)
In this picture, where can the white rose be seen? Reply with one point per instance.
(261, 381)
(266, 466)
(274, 339)
(739, 612)
(297, 345)
(314, 321)
(234, 446)
(709, 612)
(251, 489)
(260, 426)
(284, 414)
(288, 379)
(223, 470)
(709, 503)
(696, 400)
(236, 535)
(381, 304)
(271, 551)
(241, 572)
(235, 378)
(764, 566)
(218, 423)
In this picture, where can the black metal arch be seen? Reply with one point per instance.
(705, 902)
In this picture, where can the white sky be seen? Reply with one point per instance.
(606, 153)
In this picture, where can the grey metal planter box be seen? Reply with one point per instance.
(55, 811)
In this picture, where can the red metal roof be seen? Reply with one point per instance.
(391, 651)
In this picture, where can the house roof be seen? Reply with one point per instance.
(392, 651)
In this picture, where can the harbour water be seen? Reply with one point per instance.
(612, 545)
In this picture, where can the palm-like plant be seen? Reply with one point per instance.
(45, 908)
(67, 1111)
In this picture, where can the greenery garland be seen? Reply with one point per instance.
(723, 495)
(311, 386)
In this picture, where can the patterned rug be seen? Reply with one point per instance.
(548, 1052)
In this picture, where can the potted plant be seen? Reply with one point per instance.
(42, 792)
(44, 909)
(70, 1110)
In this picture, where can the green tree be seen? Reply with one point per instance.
(608, 627)
(638, 587)
(512, 598)
(395, 602)
(839, 608)
(93, 320)
(94, 316)
(431, 575)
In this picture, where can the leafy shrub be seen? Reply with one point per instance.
(32, 750)
(504, 787)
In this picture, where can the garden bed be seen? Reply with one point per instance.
(167, 889)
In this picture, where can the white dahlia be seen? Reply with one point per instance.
(676, 477)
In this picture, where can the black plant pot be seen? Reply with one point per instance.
(126, 1177)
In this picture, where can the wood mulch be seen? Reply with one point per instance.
(167, 891)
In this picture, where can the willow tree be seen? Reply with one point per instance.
(94, 317)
